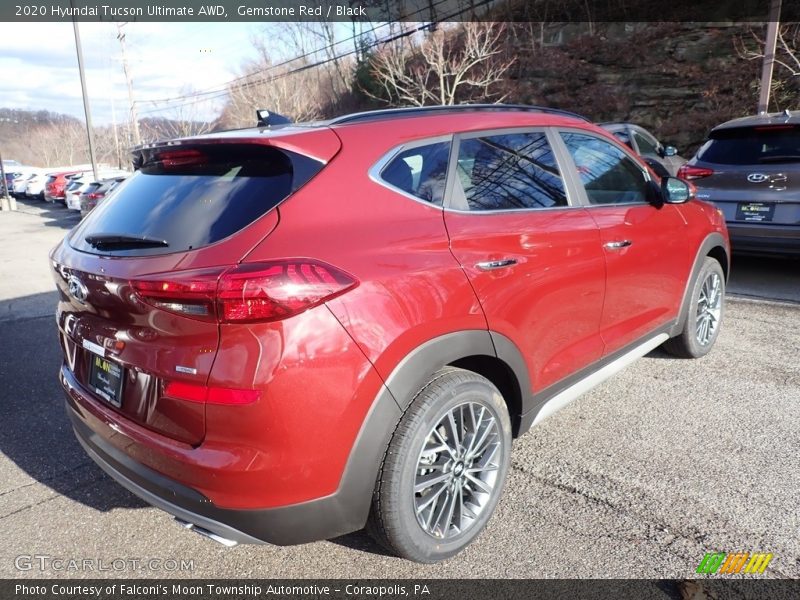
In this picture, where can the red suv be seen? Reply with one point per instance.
(285, 334)
(56, 185)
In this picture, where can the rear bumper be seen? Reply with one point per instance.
(166, 494)
(763, 238)
(114, 449)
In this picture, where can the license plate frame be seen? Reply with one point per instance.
(755, 212)
(106, 378)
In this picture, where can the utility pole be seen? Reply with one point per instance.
(7, 202)
(89, 130)
(116, 137)
(769, 55)
(3, 186)
(134, 117)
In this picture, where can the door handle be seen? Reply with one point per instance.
(617, 245)
(491, 265)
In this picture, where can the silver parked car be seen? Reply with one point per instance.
(750, 169)
(664, 160)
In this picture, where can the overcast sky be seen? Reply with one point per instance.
(39, 68)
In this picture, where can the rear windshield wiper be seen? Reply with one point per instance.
(121, 241)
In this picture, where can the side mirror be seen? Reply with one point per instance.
(669, 151)
(676, 191)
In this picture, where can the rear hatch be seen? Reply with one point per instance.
(132, 331)
(751, 173)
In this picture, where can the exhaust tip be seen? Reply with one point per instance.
(206, 533)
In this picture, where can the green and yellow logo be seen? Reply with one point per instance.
(731, 563)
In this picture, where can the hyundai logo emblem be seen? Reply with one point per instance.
(757, 177)
(78, 290)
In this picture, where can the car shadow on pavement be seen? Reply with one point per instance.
(54, 214)
(765, 277)
(361, 541)
(36, 437)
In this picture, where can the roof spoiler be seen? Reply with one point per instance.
(268, 118)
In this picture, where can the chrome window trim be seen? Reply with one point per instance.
(573, 188)
(376, 170)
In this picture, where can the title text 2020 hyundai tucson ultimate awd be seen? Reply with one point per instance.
(285, 334)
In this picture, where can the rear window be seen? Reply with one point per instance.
(189, 197)
(752, 146)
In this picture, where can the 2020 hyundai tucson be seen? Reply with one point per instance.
(750, 169)
(285, 334)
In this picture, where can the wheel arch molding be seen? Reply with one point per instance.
(716, 246)
(487, 353)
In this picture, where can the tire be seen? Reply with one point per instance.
(697, 339)
(423, 445)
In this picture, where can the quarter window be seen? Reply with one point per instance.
(420, 171)
(507, 172)
(607, 173)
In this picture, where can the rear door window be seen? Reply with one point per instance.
(507, 172)
(185, 198)
(752, 146)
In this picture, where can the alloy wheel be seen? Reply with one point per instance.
(456, 472)
(709, 309)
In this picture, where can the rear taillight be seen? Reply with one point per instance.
(190, 293)
(246, 293)
(276, 290)
(94, 196)
(210, 395)
(689, 172)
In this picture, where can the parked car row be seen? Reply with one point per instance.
(75, 187)
(749, 168)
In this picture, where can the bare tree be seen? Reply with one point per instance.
(450, 66)
(314, 42)
(787, 53)
(303, 78)
(59, 144)
(295, 94)
(186, 119)
(786, 80)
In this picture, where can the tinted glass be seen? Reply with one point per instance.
(647, 145)
(607, 174)
(88, 188)
(507, 172)
(191, 198)
(752, 146)
(623, 137)
(420, 171)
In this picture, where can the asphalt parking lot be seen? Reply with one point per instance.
(639, 478)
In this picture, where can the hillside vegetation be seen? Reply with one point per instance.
(676, 79)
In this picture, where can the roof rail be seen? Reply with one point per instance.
(416, 111)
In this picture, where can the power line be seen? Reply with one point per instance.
(218, 90)
(213, 94)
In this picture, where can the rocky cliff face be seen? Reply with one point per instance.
(676, 79)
